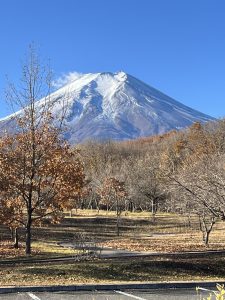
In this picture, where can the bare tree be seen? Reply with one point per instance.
(195, 176)
(113, 193)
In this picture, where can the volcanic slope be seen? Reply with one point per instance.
(116, 106)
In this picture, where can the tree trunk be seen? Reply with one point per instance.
(189, 220)
(117, 219)
(28, 235)
(153, 211)
(16, 238)
(12, 233)
(206, 238)
(117, 226)
(28, 240)
(206, 228)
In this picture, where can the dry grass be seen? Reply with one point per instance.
(115, 271)
(39, 250)
(52, 249)
(169, 233)
(104, 213)
(138, 232)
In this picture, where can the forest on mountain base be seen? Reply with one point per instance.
(181, 172)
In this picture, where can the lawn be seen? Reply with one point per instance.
(115, 271)
(168, 233)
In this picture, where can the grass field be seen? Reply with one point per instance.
(114, 271)
(169, 233)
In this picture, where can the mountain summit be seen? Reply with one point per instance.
(118, 106)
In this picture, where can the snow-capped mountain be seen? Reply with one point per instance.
(117, 106)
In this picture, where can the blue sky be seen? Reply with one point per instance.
(176, 46)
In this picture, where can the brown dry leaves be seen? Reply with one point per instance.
(8, 251)
(163, 244)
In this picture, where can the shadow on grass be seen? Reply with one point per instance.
(133, 271)
(102, 228)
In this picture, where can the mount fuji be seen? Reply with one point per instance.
(116, 106)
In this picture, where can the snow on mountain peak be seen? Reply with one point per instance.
(117, 106)
(122, 76)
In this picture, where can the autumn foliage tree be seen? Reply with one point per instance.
(40, 174)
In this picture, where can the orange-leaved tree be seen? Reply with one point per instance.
(40, 173)
(40, 179)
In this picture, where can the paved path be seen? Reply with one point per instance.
(116, 253)
(107, 252)
(170, 294)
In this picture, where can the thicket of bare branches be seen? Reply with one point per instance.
(181, 172)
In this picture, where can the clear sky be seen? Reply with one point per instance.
(176, 46)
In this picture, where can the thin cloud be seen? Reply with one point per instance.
(65, 79)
